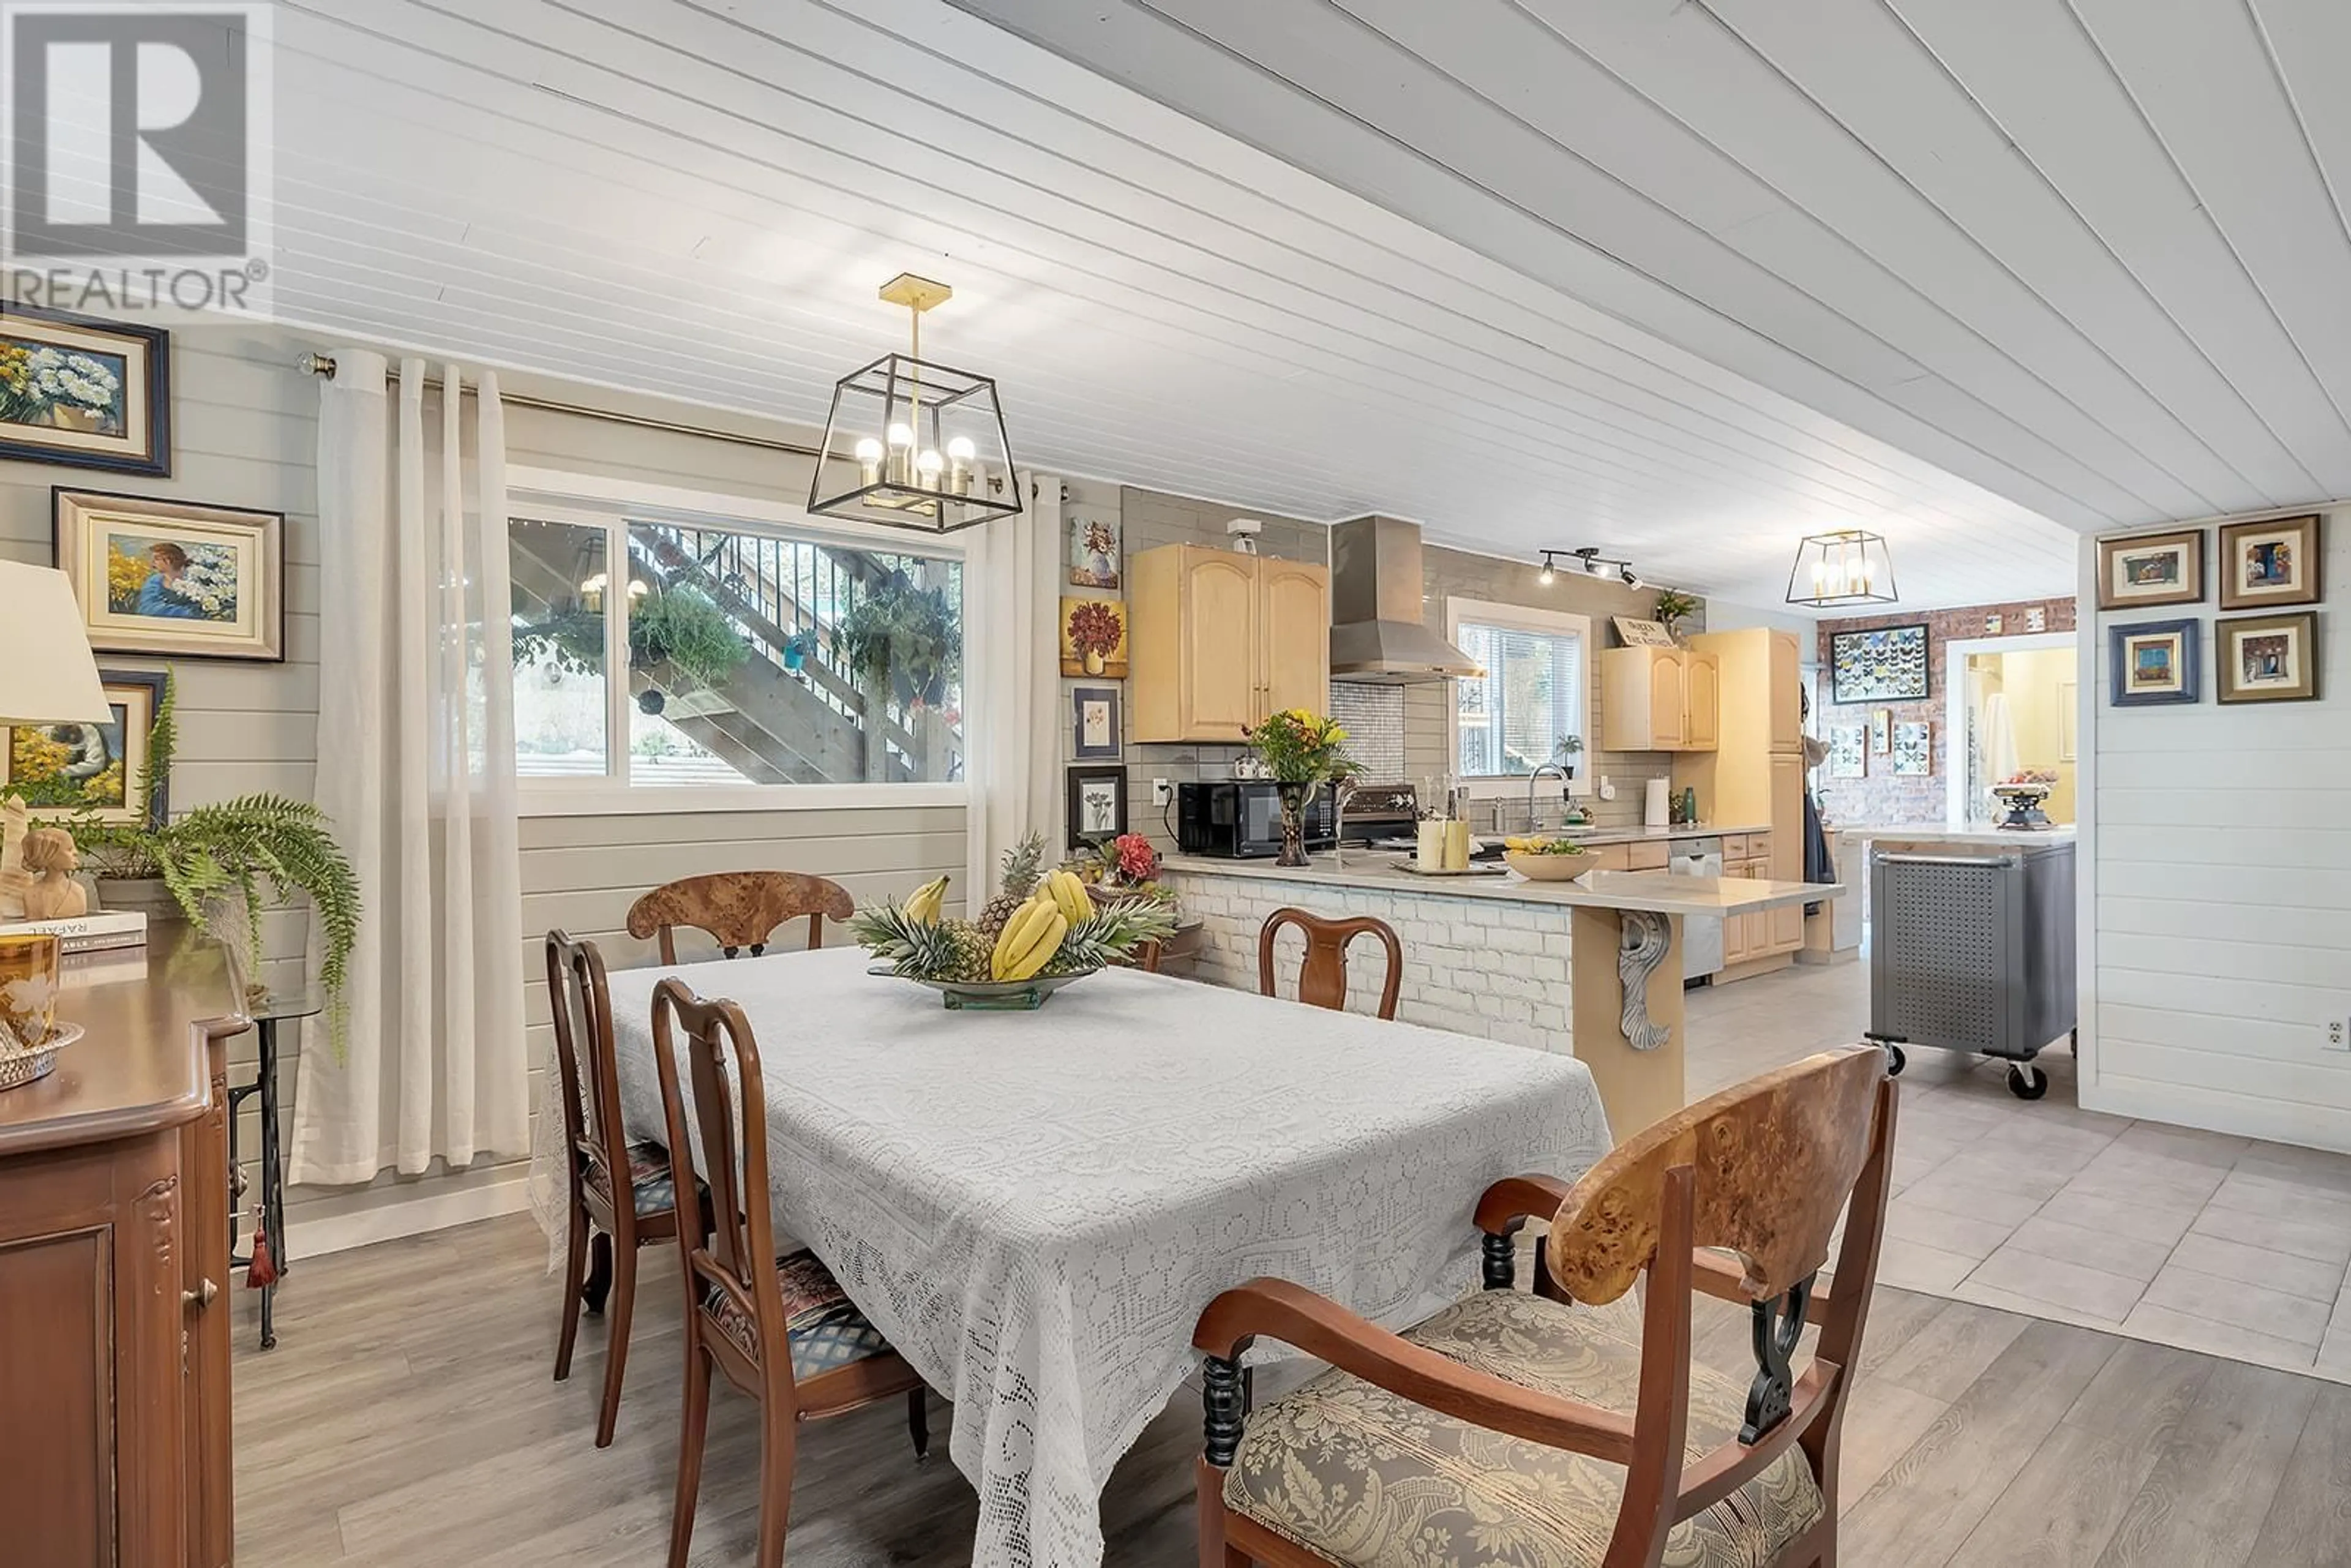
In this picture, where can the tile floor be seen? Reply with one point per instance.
(2224, 1245)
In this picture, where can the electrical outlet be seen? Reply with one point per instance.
(2338, 1034)
(1162, 791)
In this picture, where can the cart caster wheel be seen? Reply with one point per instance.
(1895, 1061)
(2027, 1082)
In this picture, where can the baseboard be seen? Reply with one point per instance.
(358, 1223)
(2211, 1111)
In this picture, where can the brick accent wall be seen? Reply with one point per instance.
(1884, 798)
(1475, 966)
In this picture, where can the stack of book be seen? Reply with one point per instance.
(100, 931)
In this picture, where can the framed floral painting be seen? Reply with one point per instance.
(1094, 552)
(102, 769)
(84, 393)
(173, 579)
(1094, 718)
(1094, 638)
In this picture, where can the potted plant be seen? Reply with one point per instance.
(903, 640)
(685, 629)
(1303, 751)
(1672, 605)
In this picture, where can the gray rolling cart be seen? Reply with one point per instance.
(1973, 950)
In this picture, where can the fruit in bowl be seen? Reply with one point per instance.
(1544, 859)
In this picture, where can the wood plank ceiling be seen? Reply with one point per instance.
(1681, 282)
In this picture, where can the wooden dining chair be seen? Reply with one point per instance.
(738, 909)
(605, 1231)
(1322, 981)
(1524, 1428)
(781, 1329)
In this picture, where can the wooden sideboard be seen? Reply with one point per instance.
(114, 1246)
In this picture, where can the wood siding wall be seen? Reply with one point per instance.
(2221, 846)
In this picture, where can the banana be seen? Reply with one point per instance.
(1071, 897)
(1030, 939)
(928, 902)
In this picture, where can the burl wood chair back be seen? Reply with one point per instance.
(1761, 1171)
(737, 1320)
(620, 1200)
(738, 909)
(1322, 980)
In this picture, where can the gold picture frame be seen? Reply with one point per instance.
(2264, 565)
(105, 772)
(173, 579)
(2151, 568)
(2268, 658)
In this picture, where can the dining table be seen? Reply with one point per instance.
(1035, 1207)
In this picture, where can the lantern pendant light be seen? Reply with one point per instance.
(1849, 567)
(913, 443)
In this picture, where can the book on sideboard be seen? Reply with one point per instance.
(96, 932)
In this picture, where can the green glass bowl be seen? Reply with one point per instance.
(988, 995)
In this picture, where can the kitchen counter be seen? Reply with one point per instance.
(1638, 835)
(1968, 838)
(1649, 891)
(1593, 966)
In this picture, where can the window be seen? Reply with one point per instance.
(661, 654)
(1533, 696)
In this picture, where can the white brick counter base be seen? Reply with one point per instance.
(1471, 965)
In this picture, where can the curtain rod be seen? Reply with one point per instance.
(324, 365)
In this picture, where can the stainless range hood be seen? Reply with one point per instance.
(1377, 632)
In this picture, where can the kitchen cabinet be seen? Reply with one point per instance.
(1221, 640)
(1753, 939)
(1659, 699)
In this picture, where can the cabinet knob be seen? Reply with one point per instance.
(199, 1298)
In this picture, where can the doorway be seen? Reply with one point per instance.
(2011, 708)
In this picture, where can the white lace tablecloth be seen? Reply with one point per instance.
(1036, 1207)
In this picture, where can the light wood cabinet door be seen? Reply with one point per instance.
(1219, 696)
(1701, 702)
(1785, 928)
(1787, 676)
(1669, 699)
(1294, 636)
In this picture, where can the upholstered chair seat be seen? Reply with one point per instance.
(824, 1327)
(1371, 1479)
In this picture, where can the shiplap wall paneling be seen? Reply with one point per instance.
(2223, 895)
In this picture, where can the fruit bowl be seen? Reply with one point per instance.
(1565, 866)
(991, 996)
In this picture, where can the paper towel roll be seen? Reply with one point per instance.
(1657, 810)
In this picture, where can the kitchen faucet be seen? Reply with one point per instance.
(1534, 823)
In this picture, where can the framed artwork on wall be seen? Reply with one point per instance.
(2268, 564)
(2268, 658)
(1914, 749)
(84, 393)
(1886, 663)
(1848, 752)
(105, 770)
(1094, 716)
(1094, 552)
(1094, 638)
(1097, 805)
(2151, 569)
(2155, 663)
(1881, 732)
(171, 579)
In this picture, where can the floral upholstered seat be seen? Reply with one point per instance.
(826, 1330)
(1371, 1480)
(651, 1190)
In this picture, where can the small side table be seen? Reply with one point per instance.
(273, 1008)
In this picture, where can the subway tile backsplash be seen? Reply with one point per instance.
(1373, 716)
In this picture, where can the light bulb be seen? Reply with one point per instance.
(927, 466)
(902, 455)
(963, 453)
(963, 449)
(595, 584)
(639, 588)
(902, 435)
(869, 462)
(1548, 576)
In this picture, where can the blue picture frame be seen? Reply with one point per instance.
(2156, 663)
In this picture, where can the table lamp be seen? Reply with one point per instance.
(47, 676)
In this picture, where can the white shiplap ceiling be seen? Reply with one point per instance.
(1476, 273)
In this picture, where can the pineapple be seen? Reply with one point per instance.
(972, 950)
(1024, 862)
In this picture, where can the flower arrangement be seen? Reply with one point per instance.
(38, 384)
(1301, 748)
(1129, 860)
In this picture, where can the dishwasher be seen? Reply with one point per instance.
(1974, 952)
(1702, 937)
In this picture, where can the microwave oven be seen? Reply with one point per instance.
(1240, 818)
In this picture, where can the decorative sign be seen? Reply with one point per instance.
(1643, 634)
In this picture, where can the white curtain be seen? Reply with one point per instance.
(1012, 704)
(416, 767)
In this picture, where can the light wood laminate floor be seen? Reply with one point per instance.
(408, 1418)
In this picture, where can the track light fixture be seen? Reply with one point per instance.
(1589, 562)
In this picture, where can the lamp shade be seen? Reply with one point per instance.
(47, 675)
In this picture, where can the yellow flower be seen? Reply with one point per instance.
(125, 576)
